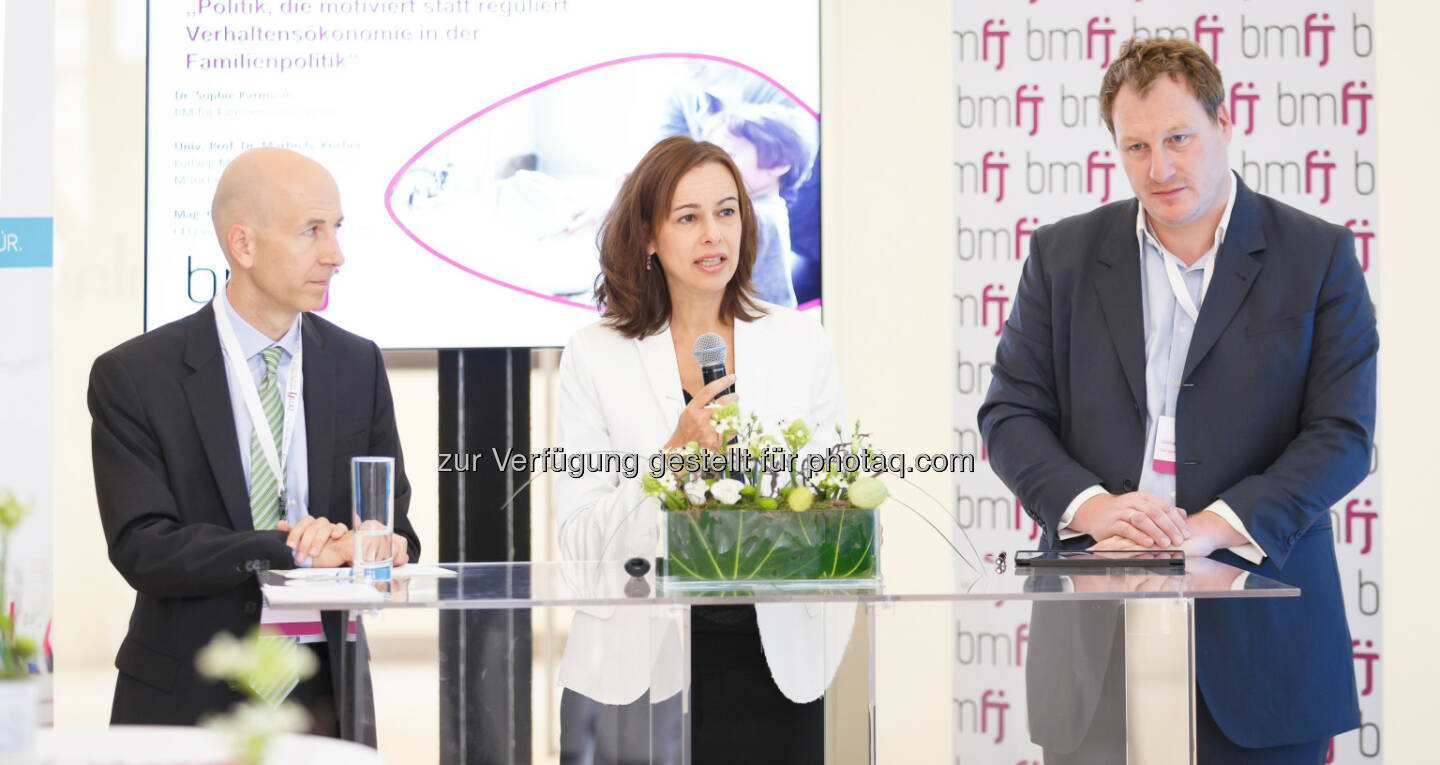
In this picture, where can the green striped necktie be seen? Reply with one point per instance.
(264, 484)
(265, 502)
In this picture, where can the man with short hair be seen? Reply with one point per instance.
(1195, 368)
(222, 445)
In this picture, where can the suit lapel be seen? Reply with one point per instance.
(1117, 279)
(208, 393)
(1235, 270)
(657, 357)
(319, 397)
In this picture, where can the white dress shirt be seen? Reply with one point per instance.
(252, 343)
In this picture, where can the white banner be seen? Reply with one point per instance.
(26, 310)
(476, 146)
(1031, 148)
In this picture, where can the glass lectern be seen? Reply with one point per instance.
(1108, 660)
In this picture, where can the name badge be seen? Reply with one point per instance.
(1164, 460)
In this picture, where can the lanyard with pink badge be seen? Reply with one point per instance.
(1164, 458)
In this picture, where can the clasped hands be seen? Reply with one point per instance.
(331, 545)
(1142, 521)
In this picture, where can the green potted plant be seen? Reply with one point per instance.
(19, 690)
(768, 509)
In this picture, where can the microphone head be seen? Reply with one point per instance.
(709, 349)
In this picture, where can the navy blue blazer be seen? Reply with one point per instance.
(1276, 416)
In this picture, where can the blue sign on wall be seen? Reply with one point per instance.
(26, 242)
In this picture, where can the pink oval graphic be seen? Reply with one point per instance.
(530, 205)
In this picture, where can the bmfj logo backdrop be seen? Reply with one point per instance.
(1030, 148)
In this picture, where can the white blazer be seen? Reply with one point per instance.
(624, 395)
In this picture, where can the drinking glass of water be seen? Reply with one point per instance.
(372, 505)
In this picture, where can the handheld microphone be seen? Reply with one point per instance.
(710, 350)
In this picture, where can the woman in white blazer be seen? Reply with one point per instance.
(676, 253)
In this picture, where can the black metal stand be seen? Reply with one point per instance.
(484, 655)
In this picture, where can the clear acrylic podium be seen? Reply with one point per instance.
(1107, 660)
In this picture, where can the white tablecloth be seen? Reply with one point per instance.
(166, 745)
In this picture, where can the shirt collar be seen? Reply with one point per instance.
(1143, 230)
(253, 341)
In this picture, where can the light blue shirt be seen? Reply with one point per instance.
(1168, 329)
(252, 342)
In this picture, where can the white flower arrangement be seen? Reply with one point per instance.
(726, 491)
(772, 507)
(695, 491)
(777, 472)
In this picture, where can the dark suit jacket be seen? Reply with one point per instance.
(1275, 416)
(175, 504)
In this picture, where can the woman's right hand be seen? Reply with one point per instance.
(694, 424)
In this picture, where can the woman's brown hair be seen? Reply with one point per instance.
(635, 300)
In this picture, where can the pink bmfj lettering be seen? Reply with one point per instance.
(1311, 165)
(982, 648)
(1362, 241)
(999, 299)
(993, 699)
(1313, 27)
(1362, 105)
(1024, 227)
(1369, 657)
(1093, 30)
(994, 28)
(1213, 31)
(1308, 40)
(1034, 100)
(1364, 516)
(1248, 100)
(1091, 165)
(986, 165)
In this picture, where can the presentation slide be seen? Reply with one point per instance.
(477, 145)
